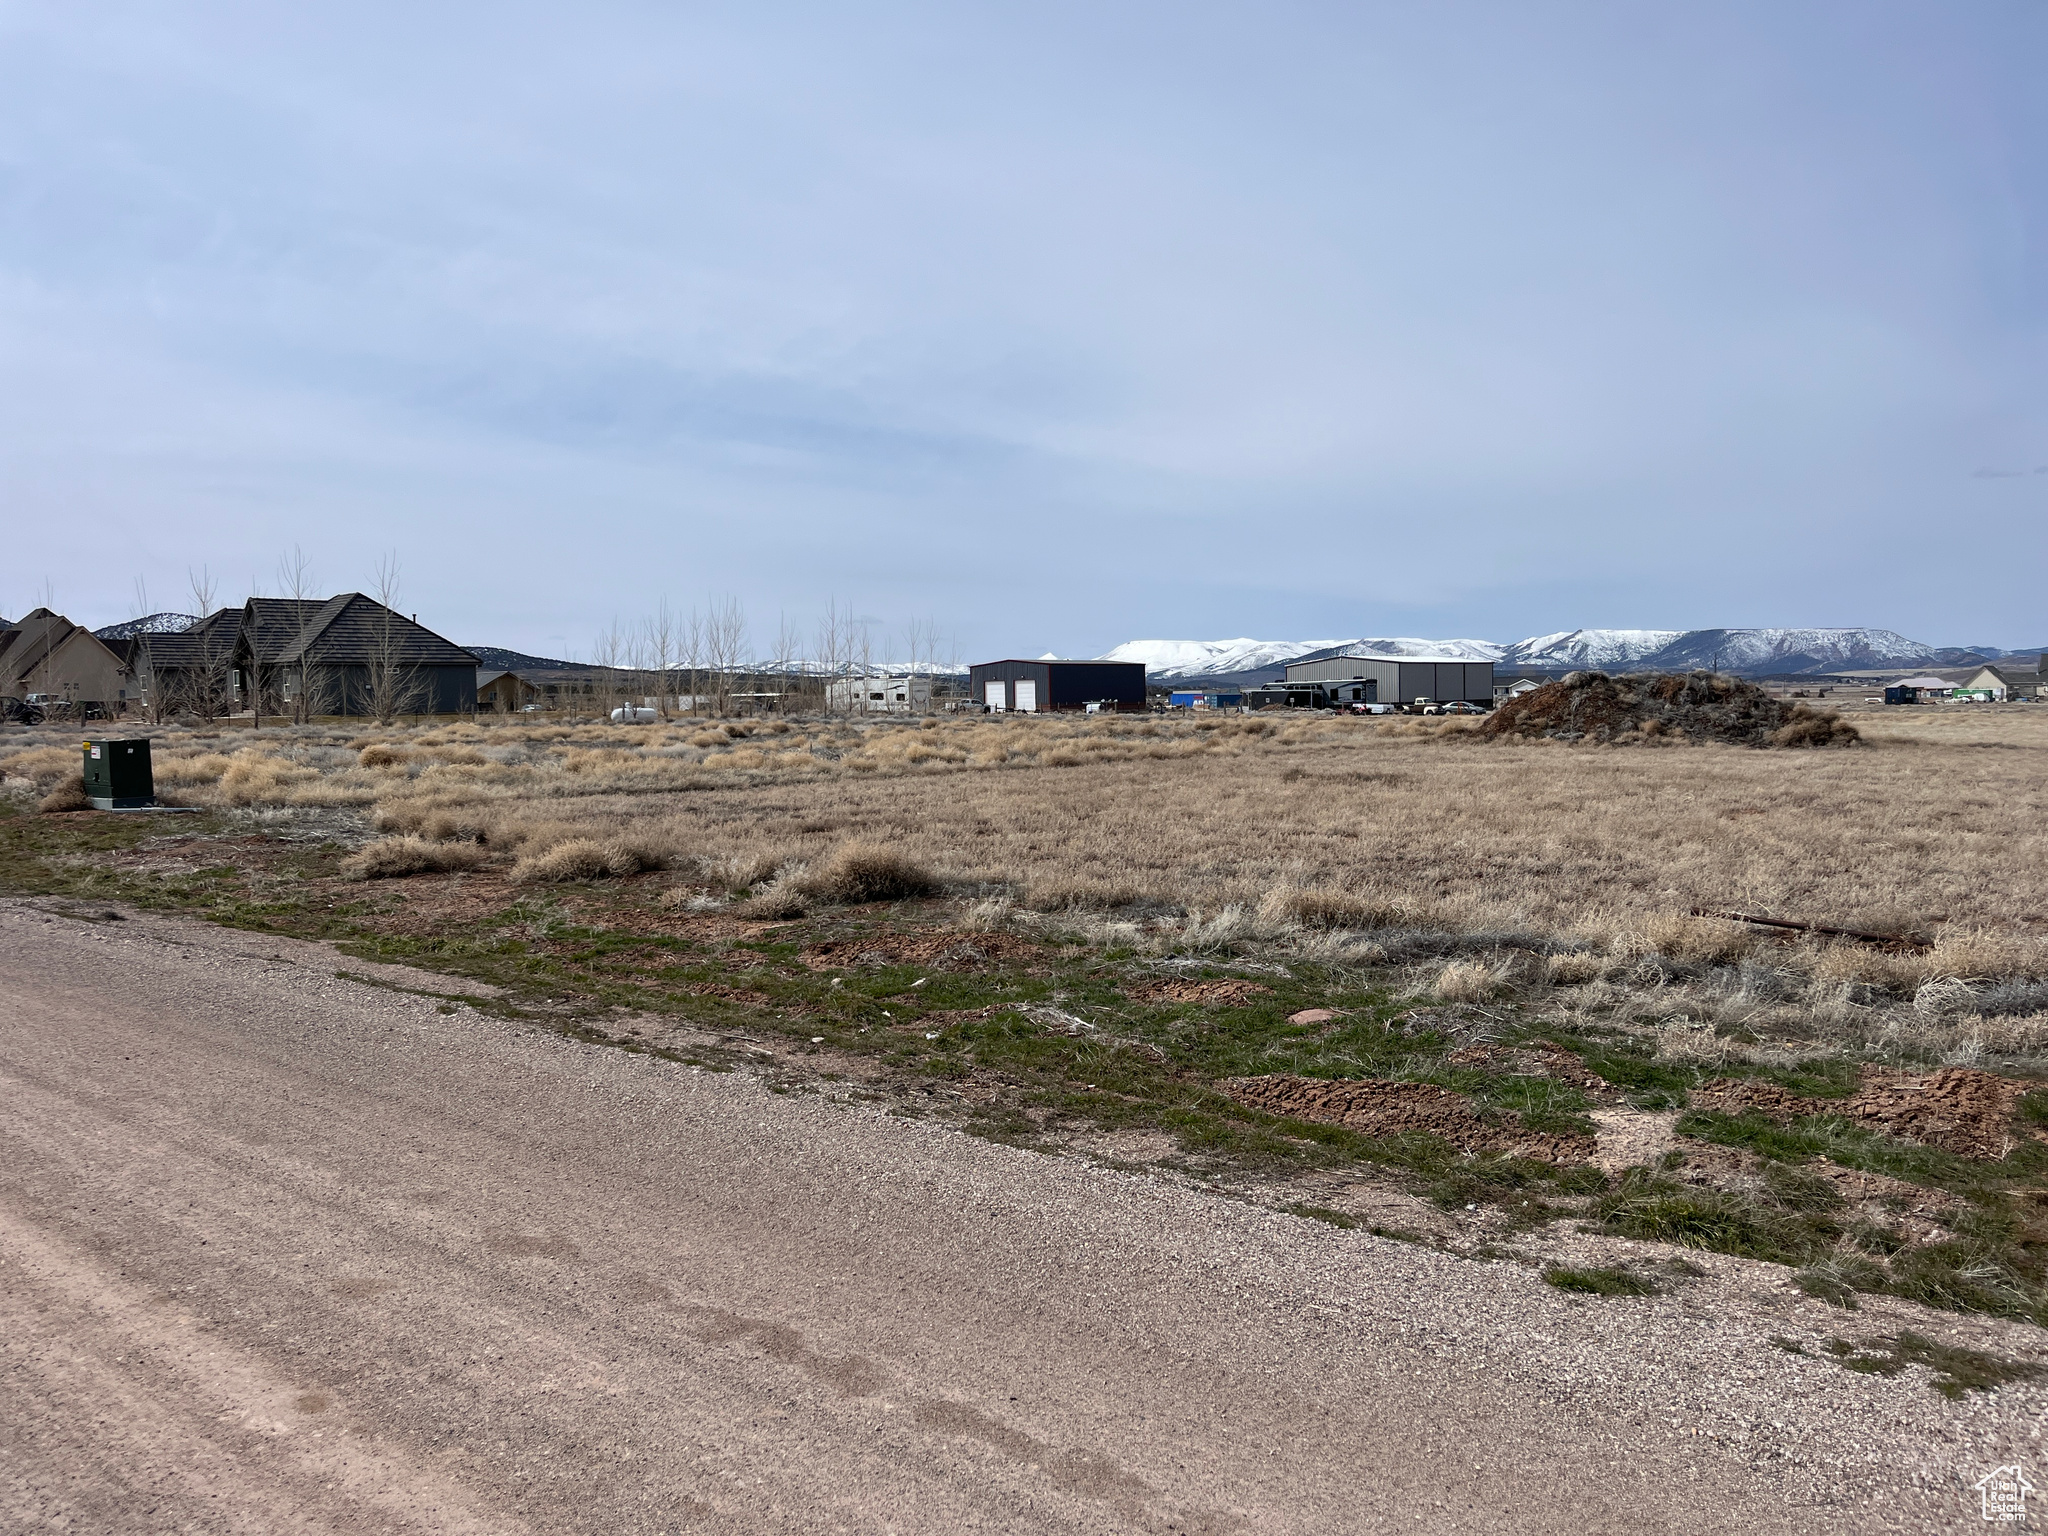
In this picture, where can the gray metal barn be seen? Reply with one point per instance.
(1343, 680)
(1033, 686)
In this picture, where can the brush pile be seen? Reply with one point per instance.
(1666, 708)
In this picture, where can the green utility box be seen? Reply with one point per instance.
(118, 776)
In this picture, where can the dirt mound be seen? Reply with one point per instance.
(1228, 993)
(1671, 707)
(1958, 1109)
(1376, 1108)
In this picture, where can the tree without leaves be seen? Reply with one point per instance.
(391, 685)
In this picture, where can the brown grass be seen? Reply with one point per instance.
(69, 795)
(864, 871)
(392, 858)
(583, 858)
(1252, 825)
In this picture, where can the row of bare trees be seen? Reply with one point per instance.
(705, 661)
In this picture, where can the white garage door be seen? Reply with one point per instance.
(993, 694)
(1027, 696)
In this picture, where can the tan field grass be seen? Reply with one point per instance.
(1252, 825)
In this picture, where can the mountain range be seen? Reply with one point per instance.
(1750, 652)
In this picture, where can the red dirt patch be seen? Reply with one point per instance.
(1856, 1185)
(1228, 993)
(1958, 1109)
(1377, 1108)
(1672, 707)
(1545, 1060)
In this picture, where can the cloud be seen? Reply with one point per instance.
(1062, 325)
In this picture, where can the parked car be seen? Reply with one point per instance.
(19, 711)
(1460, 707)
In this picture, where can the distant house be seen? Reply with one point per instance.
(879, 695)
(504, 693)
(1505, 688)
(45, 653)
(1988, 683)
(1924, 686)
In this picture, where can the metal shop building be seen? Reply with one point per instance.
(1033, 687)
(1337, 681)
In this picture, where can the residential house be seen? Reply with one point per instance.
(350, 655)
(45, 653)
(191, 671)
(343, 655)
(504, 693)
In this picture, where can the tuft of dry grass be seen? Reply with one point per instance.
(42, 766)
(862, 871)
(67, 796)
(742, 871)
(393, 858)
(584, 858)
(1473, 981)
(780, 902)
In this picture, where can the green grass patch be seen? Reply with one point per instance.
(1956, 1370)
(1609, 1281)
(1653, 1207)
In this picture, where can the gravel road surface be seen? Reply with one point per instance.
(284, 1252)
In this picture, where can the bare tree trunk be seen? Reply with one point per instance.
(210, 683)
(725, 646)
(831, 650)
(660, 633)
(787, 644)
(392, 686)
(606, 656)
(295, 579)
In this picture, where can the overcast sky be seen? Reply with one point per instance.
(1060, 325)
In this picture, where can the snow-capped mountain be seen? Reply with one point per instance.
(1731, 650)
(1789, 650)
(1589, 648)
(152, 624)
(1206, 658)
(1217, 658)
(1753, 651)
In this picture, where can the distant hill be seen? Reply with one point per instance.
(151, 624)
(495, 658)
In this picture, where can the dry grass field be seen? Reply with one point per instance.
(1937, 826)
(1268, 944)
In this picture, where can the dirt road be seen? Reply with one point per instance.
(285, 1252)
